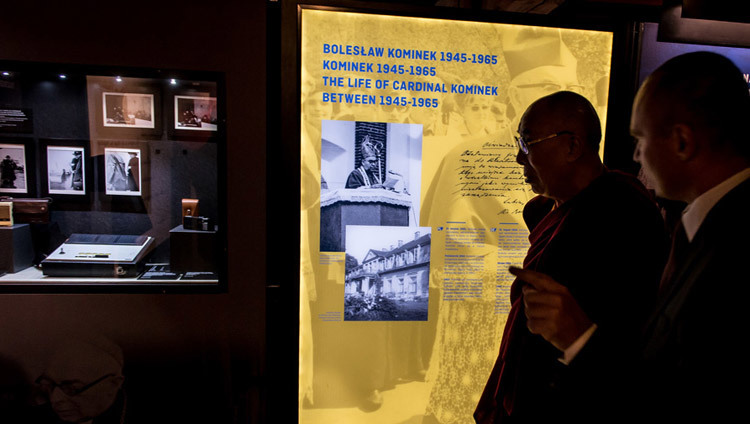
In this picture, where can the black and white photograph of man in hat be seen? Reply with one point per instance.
(12, 168)
(539, 63)
(123, 175)
(66, 170)
(373, 173)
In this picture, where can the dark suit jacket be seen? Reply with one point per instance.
(694, 359)
(692, 363)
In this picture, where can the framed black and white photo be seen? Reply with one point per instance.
(195, 113)
(14, 169)
(66, 170)
(122, 172)
(370, 174)
(387, 273)
(128, 110)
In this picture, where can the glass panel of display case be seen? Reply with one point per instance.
(110, 179)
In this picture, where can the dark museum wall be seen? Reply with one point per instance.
(188, 357)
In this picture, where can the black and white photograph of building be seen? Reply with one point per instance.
(66, 170)
(195, 113)
(371, 174)
(13, 168)
(129, 110)
(123, 171)
(387, 273)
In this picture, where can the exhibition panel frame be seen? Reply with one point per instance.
(409, 194)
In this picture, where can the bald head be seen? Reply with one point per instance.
(705, 91)
(568, 111)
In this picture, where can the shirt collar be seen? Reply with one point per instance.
(696, 211)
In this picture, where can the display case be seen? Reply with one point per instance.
(97, 165)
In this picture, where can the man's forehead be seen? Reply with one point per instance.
(634, 129)
(640, 109)
(524, 125)
(537, 115)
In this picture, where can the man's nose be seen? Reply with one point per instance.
(521, 158)
(57, 395)
(637, 153)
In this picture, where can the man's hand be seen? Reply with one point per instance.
(551, 311)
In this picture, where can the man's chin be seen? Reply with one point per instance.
(69, 416)
(535, 187)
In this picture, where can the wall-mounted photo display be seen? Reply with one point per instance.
(13, 169)
(122, 172)
(122, 175)
(196, 113)
(125, 108)
(66, 170)
(128, 110)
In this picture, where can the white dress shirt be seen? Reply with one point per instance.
(696, 211)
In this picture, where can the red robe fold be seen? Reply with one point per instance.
(589, 244)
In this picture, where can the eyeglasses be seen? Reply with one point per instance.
(523, 145)
(68, 387)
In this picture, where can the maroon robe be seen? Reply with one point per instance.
(607, 245)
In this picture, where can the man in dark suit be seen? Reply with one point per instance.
(588, 226)
(690, 126)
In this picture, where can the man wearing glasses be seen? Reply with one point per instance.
(82, 383)
(589, 228)
(478, 116)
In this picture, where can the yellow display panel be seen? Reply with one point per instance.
(411, 203)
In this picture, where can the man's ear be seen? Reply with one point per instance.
(683, 142)
(575, 147)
